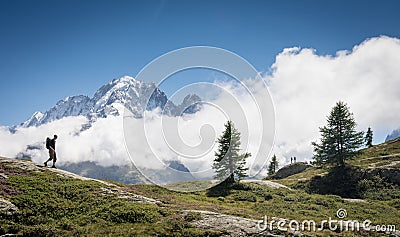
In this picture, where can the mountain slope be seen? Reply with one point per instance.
(38, 201)
(379, 155)
(393, 135)
(70, 106)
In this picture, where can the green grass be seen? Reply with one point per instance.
(189, 186)
(373, 156)
(51, 205)
(255, 201)
(302, 177)
(373, 162)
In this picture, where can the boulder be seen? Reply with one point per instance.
(7, 207)
(291, 169)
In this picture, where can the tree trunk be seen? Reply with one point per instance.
(231, 179)
(342, 162)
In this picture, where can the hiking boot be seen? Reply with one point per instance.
(45, 164)
(54, 167)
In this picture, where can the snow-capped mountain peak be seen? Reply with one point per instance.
(34, 119)
(135, 95)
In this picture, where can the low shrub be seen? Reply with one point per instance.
(244, 196)
(193, 216)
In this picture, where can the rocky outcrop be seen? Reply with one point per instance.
(291, 169)
(239, 226)
(267, 183)
(230, 225)
(7, 207)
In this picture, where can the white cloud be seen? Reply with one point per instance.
(102, 143)
(305, 86)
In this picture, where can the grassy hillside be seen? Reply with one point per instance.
(385, 155)
(50, 204)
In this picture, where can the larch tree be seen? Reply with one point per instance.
(273, 165)
(229, 164)
(368, 137)
(339, 138)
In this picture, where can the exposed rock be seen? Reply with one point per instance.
(3, 176)
(268, 183)
(386, 157)
(354, 200)
(21, 164)
(291, 169)
(239, 226)
(391, 164)
(8, 235)
(232, 225)
(7, 207)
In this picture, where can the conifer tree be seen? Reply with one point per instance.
(273, 166)
(228, 164)
(339, 139)
(368, 137)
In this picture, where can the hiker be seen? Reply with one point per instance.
(294, 159)
(51, 145)
(291, 160)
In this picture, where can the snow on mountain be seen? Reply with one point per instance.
(70, 106)
(191, 104)
(107, 100)
(393, 135)
(129, 92)
(32, 121)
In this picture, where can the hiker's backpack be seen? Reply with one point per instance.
(48, 140)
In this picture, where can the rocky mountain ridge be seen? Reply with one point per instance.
(110, 99)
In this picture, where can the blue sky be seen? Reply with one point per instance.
(53, 49)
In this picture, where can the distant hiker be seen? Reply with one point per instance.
(294, 159)
(51, 146)
(291, 160)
